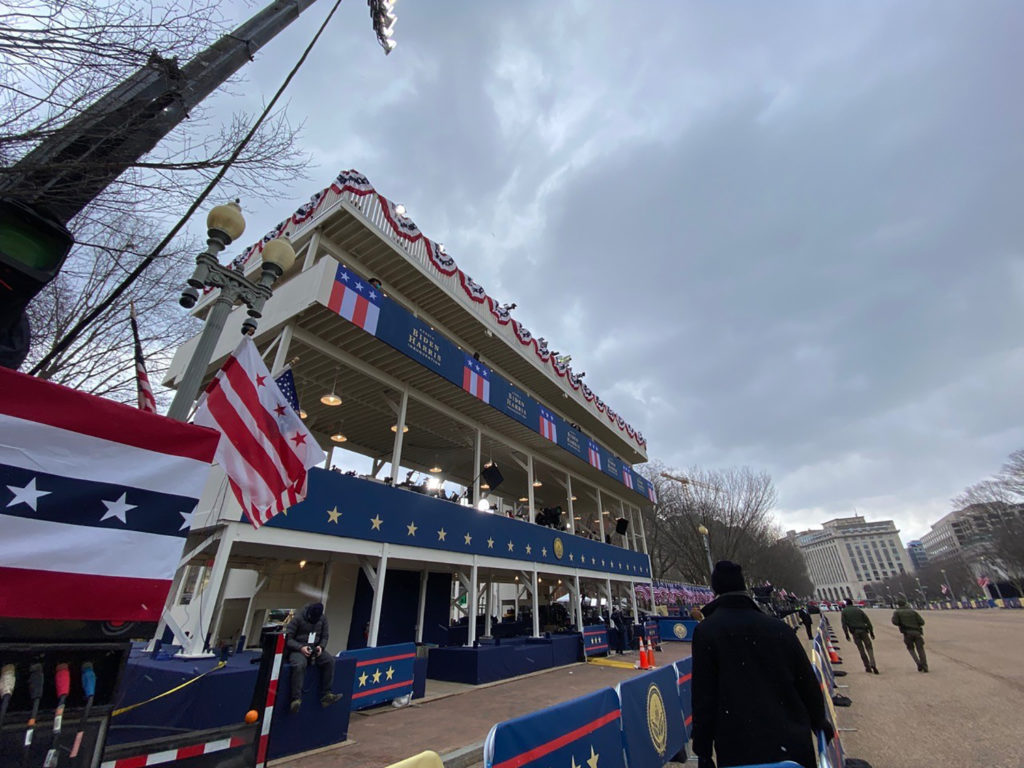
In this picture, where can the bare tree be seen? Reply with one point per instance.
(58, 57)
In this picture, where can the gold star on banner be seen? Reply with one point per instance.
(544, 551)
(442, 534)
(411, 527)
(375, 521)
(362, 679)
(333, 515)
(376, 675)
(574, 763)
(593, 561)
(572, 556)
(592, 762)
(511, 546)
(602, 562)
(528, 550)
(391, 673)
(490, 543)
(468, 538)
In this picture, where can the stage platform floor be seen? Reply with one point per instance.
(454, 715)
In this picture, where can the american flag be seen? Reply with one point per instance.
(146, 400)
(983, 582)
(651, 494)
(96, 500)
(265, 449)
(476, 379)
(547, 425)
(355, 300)
(593, 454)
(286, 383)
(627, 477)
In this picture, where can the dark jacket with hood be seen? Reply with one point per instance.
(755, 696)
(310, 620)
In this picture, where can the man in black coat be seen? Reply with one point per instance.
(755, 696)
(306, 638)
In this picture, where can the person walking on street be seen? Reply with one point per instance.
(306, 638)
(805, 619)
(755, 696)
(912, 627)
(856, 621)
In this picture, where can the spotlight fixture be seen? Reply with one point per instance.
(331, 398)
(400, 209)
(523, 498)
(339, 436)
(574, 498)
(302, 563)
(436, 469)
(394, 428)
(537, 483)
(483, 505)
(302, 414)
(484, 487)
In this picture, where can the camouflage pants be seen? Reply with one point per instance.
(862, 639)
(914, 641)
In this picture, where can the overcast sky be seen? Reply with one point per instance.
(782, 235)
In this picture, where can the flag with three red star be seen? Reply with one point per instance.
(264, 448)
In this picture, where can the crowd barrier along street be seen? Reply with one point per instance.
(830, 754)
(595, 640)
(684, 681)
(580, 732)
(652, 718)
(382, 674)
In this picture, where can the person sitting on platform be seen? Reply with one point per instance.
(306, 638)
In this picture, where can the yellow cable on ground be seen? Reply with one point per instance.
(611, 663)
(130, 707)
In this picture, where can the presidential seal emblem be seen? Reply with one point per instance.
(657, 721)
(679, 630)
(559, 548)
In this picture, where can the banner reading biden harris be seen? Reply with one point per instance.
(368, 308)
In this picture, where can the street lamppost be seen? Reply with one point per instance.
(888, 593)
(945, 578)
(225, 224)
(703, 531)
(920, 590)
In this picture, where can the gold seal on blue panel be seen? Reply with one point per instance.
(559, 548)
(657, 721)
(679, 630)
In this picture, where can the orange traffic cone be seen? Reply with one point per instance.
(644, 664)
(832, 655)
(650, 656)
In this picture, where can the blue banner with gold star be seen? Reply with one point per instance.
(382, 673)
(595, 640)
(652, 718)
(353, 507)
(582, 733)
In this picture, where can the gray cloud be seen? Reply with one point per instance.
(788, 238)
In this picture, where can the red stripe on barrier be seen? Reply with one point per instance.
(561, 741)
(372, 691)
(138, 761)
(238, 741)
(685, 678)
(191, 751)
(381, 660)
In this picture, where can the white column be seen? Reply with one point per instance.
(600, 515)
(311, 250)
(396, 452)
(421, 610)
(529, 487)
(632, 597)
(536, 611)
(472, 601)
(633, 529)
(643, 534)
(488, 608)
(608, 588)
(209, 597)
(476, 468)
(378, 594)
(283, 344)
(249, 610)
(572, 514)
(579, 604)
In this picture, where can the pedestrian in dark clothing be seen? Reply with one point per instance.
(805, 619)
(755, 696)
(912, 627)
(306, 638)
(856, 621)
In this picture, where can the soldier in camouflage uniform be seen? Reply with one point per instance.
(912, 626)
(856, 621)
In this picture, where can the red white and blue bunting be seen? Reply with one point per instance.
(671, 593)
(406, 232)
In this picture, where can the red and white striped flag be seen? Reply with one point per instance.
(146, 400)
(265, 449)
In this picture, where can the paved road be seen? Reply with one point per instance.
(964, 713)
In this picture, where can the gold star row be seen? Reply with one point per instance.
(375, 677)
(591, 761)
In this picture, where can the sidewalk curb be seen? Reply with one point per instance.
(464, 756)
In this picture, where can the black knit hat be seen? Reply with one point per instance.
(727, 577)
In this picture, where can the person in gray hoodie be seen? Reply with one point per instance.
(306, 638)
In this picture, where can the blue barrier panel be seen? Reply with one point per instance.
(679, 630)
(652, 718)
(595, 640)
(313, 726)
(578, 732)
(684, 680)
(830, 755)
(382, 673)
